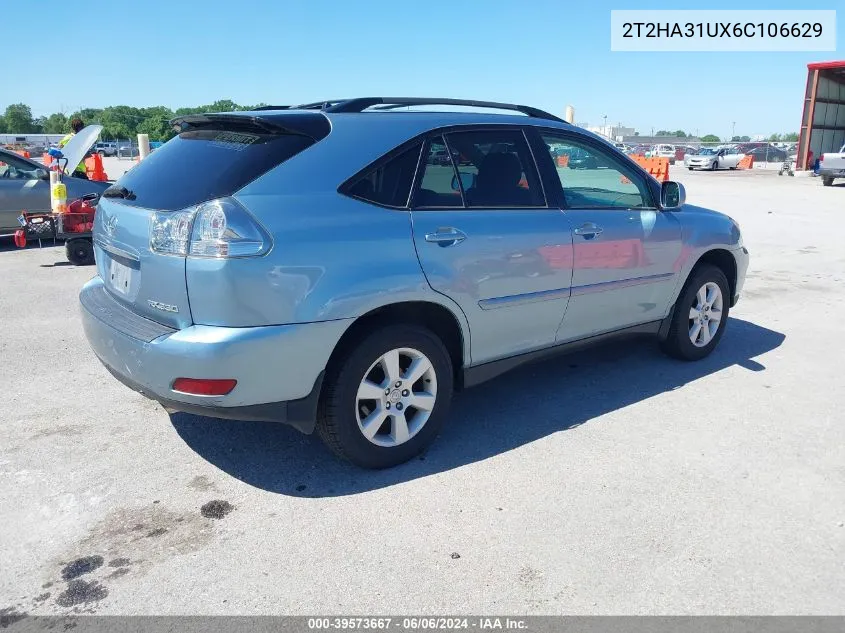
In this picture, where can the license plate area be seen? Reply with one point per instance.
(122, 277)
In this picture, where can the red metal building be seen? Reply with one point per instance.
(823, 122)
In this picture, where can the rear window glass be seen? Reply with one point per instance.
(390, 184)
(204, 164)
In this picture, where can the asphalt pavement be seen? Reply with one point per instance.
(613, 481)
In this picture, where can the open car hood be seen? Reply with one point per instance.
(79, 145)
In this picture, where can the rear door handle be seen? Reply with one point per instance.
(589, 230)
(446, 236)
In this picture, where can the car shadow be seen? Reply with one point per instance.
(510, 411)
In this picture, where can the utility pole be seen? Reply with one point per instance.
(604, 116)
(733, 130)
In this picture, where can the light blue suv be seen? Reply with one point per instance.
(347, 265)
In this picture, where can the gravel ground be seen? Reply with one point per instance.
(613, 481)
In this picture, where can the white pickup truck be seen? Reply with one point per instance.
(832, 166)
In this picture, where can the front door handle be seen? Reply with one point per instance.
(446, 236)
(589, 230)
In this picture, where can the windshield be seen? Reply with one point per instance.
(706, 151)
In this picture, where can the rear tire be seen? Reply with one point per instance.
(80, 252)
(826, 181)
(692, 334)
(377, 432)
(690, 168)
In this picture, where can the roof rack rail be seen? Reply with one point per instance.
(387, 103)
(271, 107)
(320, 105)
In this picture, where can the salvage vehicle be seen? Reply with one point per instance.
(713, 159)
(832, 166)
(320, 266)
(25, 186)
(664, 151)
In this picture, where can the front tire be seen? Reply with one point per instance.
(714, 166)
(826, 181)
(388, 398)
(700, 315)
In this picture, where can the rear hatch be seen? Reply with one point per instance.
(143, 225)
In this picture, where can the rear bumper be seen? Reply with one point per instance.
(832, 173)
(278, 368)
(300, 414)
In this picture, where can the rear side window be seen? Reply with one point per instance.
(204, 164)
(388, 185)
(495, 170)
(439, 187)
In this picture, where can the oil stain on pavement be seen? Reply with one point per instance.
(216, 509)
(81, 592)
(133, 541)
(81, 566)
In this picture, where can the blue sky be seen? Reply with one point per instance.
(544, 53)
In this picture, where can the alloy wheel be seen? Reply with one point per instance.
(396, 397)
(705, 315)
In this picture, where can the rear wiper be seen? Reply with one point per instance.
(118, 192)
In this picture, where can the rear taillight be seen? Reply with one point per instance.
(223, 228)
(218, 228)
(170, 232)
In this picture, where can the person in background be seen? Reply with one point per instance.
(76, 125)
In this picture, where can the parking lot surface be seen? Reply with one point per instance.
(612, 481)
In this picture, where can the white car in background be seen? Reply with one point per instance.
(664, 151)
(714, 158)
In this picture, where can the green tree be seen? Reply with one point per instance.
(186, 111)
(710, 138)
(56, 124)
(663, 133)
(3, 127)
(680, 134)
(792, 137)
(119, 122)
(156, 123)
(224, 105)
(740, 139)
(19, 119)
(88, 115)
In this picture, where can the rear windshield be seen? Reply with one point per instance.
(204, 164)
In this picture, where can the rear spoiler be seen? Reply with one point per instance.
(314, 125)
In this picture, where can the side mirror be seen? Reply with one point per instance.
(672, 196)
(42, 174)
(467, 181)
